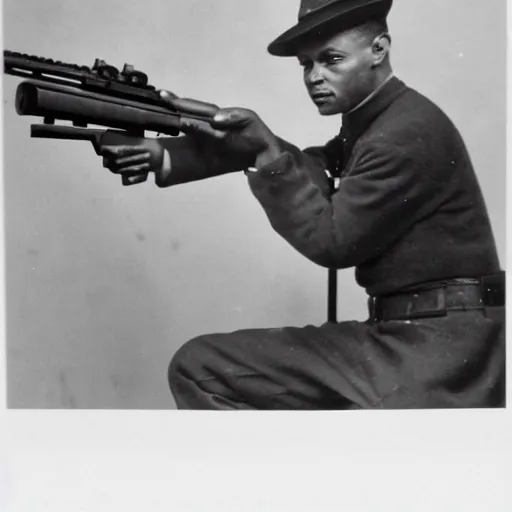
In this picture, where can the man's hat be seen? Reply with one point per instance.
(317, 17)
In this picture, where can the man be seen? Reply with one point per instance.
(408, 215)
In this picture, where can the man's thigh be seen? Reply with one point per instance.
(454, 361)
(312, 367)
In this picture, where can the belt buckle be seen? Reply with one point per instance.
(438, 310)
(493, 290)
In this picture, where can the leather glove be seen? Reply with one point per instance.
(240, 130)
(132, 157)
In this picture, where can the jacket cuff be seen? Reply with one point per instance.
(274, 175)
(162, 174)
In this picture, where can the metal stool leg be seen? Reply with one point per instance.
(332, 278)
(332, 296)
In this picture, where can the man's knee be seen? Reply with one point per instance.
(187, 362)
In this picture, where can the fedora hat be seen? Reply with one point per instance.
(318, 17)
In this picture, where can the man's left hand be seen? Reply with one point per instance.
(240, 129)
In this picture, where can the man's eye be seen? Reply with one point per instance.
(333, 59)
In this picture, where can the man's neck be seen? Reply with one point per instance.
(368, 98)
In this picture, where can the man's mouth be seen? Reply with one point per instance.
(321, 96)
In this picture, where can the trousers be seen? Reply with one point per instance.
(455, 361)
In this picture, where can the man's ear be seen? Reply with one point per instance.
(380, 48)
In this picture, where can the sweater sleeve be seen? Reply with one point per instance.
(198, 158)
(385, 190)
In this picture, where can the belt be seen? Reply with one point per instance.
(437, 299)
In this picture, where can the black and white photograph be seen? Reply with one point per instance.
(287, 206)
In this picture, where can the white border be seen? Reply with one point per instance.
(411, 461)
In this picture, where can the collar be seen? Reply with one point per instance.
(371, 95)
(359, 119)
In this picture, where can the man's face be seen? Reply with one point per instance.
(338, 72)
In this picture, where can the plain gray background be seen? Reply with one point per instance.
(105, 283)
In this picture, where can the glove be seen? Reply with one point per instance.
(132, 157)
(240, 130)
(237, 129)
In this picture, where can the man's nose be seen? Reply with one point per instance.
(315, 75)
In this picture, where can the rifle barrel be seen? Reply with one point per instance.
(55, 101)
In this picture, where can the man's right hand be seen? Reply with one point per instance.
(132, 158)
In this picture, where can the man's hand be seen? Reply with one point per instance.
(241, 130)
(132, 159)
(237, 130)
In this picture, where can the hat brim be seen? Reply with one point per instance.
(334, 18)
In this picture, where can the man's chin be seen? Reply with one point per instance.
(327, 110)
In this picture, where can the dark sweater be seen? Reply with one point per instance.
(408, 210)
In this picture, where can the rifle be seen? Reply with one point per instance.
(104, 96)
(101, 95)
